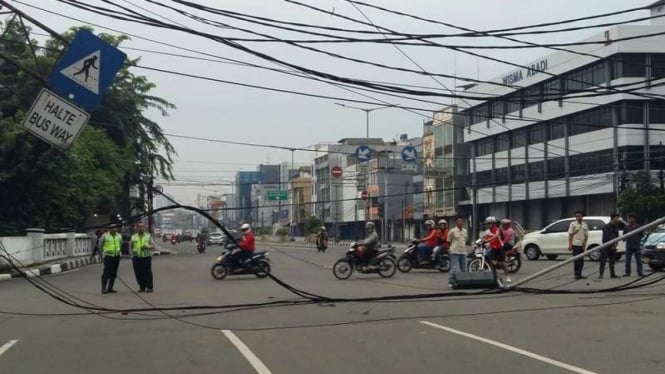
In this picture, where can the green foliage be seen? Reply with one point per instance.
(283, 231)
(643, 198)
(42, 186)
(264, 231)
(312, 225)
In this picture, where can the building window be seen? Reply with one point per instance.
(632, 157)
(656, 112)
(484, 147)
(537, 171)
(532, 95)
(484, 178)
(590, 120)
(591, 163)
(502, 142)
(552, 89)
(501, 176)
(657, 157)
(632, 112)
(518, 173)
(557, 129)
(514, 102)
(498, 109)
(633, 66)
(479, 114)
(519, 138)
(537, 133)
(556, 168)
(658, 66)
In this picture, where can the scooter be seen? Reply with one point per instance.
(201, 246)
(354, 259)
(440, 260)
(226, 264)
(479, 259)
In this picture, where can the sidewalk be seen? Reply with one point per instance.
(63, 265)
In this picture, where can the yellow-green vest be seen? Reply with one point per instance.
(137, 245)
(112, 244)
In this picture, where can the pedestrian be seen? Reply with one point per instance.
(96, 249)
(578, 235)
(457, 237)
(141, 248)
(633, 246)
(610, 232)
(110, 244)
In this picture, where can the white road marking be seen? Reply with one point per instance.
(249, 355)
(507, 347)
(5, 347)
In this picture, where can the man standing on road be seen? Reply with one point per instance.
(578, 235)
(141, 247)
(457, 237)
(633, 246)
(610, 232)
(110, 243)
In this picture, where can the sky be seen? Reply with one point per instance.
(220, 111)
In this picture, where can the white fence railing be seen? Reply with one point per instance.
(36, 247)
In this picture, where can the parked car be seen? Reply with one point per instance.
(652, 243)
(215, 238)
(552, 241)
(187, 236)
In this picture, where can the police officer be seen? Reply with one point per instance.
(110, 243)
(142, 245)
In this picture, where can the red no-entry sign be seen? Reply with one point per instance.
(336, 172)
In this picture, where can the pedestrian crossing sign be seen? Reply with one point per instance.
(86, 69)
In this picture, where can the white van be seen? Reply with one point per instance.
(552, 241)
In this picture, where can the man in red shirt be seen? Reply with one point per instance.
(247, 243)
(428, 243)
(497, 253)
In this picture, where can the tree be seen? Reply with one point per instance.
(54, 189)
(312, 225)
(643, 198)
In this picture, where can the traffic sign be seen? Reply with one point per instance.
(336, 171)
(278, 195)
(409, 154)
(364, 195)
(54, 120)
(86, 69)
(363, 153)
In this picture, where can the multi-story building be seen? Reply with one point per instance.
(300, 208)
(230, 213)
(244, 182)
(560, 134)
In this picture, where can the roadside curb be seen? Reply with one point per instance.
(53, 269)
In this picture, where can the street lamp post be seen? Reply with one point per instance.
(367, 112)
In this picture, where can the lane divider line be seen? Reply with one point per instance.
(5, 347)
(245, 351)
(507, 347)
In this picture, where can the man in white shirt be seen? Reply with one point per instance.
(457, 237)
(578, 235)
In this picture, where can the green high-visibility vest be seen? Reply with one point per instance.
(112, 244)
(138, 241)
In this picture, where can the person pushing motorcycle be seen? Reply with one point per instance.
(497, 252)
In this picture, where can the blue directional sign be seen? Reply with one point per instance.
(86, 69)
(409, 154)
(363, 153)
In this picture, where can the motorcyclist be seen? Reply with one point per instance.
(247, 244)
(322, 237)
(370, 243)
(427, 244)
(442, 243)
(497, 254)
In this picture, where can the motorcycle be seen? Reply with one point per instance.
(479, 258)
(409, 260)
(174, 241)
(354, 259)
(226, 264)
(201, 246)
(321, 245)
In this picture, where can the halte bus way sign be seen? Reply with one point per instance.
(54, 120)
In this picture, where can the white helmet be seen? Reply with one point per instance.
(429, 222)
(369, 225)
(490, 219)
(443, 222)
(245, 226)
(323, 228)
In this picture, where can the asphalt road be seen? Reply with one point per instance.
(507, 333)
